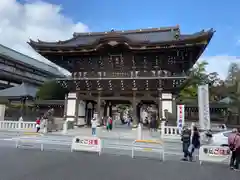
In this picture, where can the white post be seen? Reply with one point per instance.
(162, 129)
(139, 131)
(45, 124)
(65, 127)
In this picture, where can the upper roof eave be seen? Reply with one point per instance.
(182, 37)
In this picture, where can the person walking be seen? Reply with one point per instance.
(94, 126)
(110, 123)
(186, 140)
(195, 142)
(231, 142)
(38, 122)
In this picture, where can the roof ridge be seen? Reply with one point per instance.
(144, 30)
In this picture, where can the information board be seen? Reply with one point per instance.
(217, 154)
(90, 144)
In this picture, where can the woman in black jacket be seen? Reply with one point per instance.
(195, 142)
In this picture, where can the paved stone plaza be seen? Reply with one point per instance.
(18, 164)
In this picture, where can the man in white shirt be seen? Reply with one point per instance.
(94, 126)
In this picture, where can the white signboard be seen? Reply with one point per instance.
(90, 144)
(203, 107)
(215, 154)
(180, 116)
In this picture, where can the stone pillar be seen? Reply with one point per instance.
(81, 113)
(71, 114)
(167, 105)
(70, 111)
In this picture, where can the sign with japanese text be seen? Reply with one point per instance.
(180, 116)
(218, 154)
(90, 144)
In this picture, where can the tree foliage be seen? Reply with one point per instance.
(199, 76)
(51, 90)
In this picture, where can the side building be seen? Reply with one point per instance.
(20, 75)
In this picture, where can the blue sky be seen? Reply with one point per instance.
(192, 16)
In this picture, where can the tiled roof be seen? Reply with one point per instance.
(23, 90)
(19, 57)
(152, 35)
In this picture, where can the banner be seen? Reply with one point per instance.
(180, 116)
(203, 107)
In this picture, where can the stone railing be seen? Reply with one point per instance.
(170, 132)
(16, 125)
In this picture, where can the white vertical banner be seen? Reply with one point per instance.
(180, 116)
(203, 107)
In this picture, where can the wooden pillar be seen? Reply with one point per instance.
(159, 105)
(105, 108)
(65, 106)
(110, 109)
(76, 108)
(134, 106)
(86, 111)
(139, 105)
(98, 108)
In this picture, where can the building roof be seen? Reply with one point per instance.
(23, 90)
(19, 57)
(151, 36)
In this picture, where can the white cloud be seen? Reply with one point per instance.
(35, 20)
(220, 63)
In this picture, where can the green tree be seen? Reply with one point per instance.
(198, 76)
(51, 90)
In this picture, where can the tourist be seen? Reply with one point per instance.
(110, 123)
(195, 142)
(38, 122)
(231, 142)
(186, 140)
(129, 121)
(94, 126)
(237, 150)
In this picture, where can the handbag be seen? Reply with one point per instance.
(190, 148)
